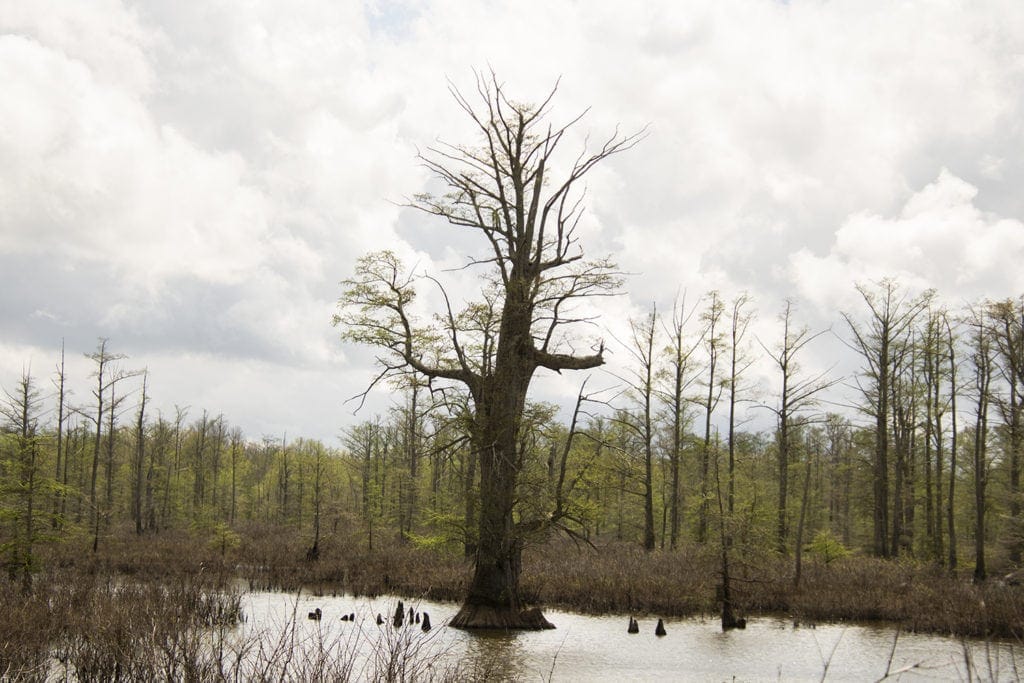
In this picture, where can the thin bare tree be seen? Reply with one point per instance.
(798, 396)
(891, 315)
(680, 376)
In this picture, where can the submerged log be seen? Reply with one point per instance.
(488, 617)
(426, 622)
(659, 630)
(633, 627)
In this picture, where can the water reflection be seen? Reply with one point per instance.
(599, 648)
(495, 656)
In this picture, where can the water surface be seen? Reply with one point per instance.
(597, 648)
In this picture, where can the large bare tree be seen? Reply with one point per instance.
(504, 190)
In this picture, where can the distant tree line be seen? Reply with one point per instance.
(925, 461)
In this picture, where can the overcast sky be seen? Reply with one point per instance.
(193, 179)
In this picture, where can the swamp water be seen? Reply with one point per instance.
(596, 648)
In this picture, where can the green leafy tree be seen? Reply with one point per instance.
(23, 481)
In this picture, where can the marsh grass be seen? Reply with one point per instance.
(616, 577)
(89, 628)
(300, 651)
(916, 596)
(622, 578)
(105, 628)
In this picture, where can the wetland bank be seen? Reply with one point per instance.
(163, 607)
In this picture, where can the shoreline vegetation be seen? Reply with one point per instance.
(611, 577)
(620, 578)
(169, 606)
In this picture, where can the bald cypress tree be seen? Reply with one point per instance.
(504, 190)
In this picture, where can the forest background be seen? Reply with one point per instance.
(924, 463)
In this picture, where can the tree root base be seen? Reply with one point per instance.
(486, 617)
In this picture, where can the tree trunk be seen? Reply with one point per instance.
(470, 518)
(781, 531)
(59, 494)
(493, 601)
(799, 550)
(880, 488)
(140, 459)
(711, 316)
(983, 379)
(98, 393)
(1016, 440)
(952, 449)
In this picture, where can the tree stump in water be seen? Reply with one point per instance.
(729, 619)
(487, 617)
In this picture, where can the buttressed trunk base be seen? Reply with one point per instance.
(472, 616)
(493, 601)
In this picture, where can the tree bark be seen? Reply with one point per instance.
(493, 600)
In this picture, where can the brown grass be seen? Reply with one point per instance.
(105, 628)
(918, 597)
(81, 626)
(616, 577)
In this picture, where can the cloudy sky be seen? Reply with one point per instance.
(193, 179)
